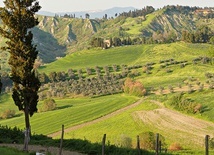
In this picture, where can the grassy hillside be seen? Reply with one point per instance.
(70, 112)
(129, 124)
(141, 55)
(129, 55)
(57, 36)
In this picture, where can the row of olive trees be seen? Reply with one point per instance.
(94, 86)
(85, 73)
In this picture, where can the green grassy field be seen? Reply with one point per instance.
(129, 55)
(10, 151)
(71, 112)
(128, 124)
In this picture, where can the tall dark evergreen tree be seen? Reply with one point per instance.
(18, 18)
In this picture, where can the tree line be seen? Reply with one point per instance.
(202, 35)
(138, 12)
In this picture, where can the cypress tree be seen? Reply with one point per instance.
(18, 18)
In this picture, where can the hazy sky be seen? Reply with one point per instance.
(86, 5)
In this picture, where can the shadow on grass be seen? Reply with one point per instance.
(64, 107)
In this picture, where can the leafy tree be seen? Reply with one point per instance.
(52, 76)
(87, 16)
(134, 87)
(18, 18)
(48, 105)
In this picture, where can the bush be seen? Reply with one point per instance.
(48, 105)
(181, 103)
(211, 143)
(134, 87)
(10, 135)
(8, 114)
(124, 141)
(175, 147)
(148, 140)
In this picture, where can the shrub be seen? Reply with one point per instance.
(184, 104)
(161, 89)
(124, 141)
(211, 86)
(171, 89)
(134, 87)
(8, 114)
(201, 87)
(211, 143)
(179, 85)
(175, 147)
(148, 140)
(48, 105)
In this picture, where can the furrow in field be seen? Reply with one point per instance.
(177, 124)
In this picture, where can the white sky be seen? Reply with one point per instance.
(87, 5)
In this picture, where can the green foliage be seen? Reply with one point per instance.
(48, 105)
(179, 102)
(134, 88)
(148, 140)
(123, 141)
(10, 135)
(83, 146)
(211, 143)
(212, 40)
(18, 23)
(11, 151)
(8, 114)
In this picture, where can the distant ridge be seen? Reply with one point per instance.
(93, 13)
(46, 13)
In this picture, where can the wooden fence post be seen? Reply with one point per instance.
(103, 144)
(160, 146)
(138, 145)
(60, 149)
(207, 145)
(157, 142)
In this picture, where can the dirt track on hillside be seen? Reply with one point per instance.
(97, 120)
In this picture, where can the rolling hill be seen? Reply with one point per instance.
(104, 114)
(87, 82)
(57, 36)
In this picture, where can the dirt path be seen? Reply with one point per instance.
(98, 120)
(176, 124)
(41, 149)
